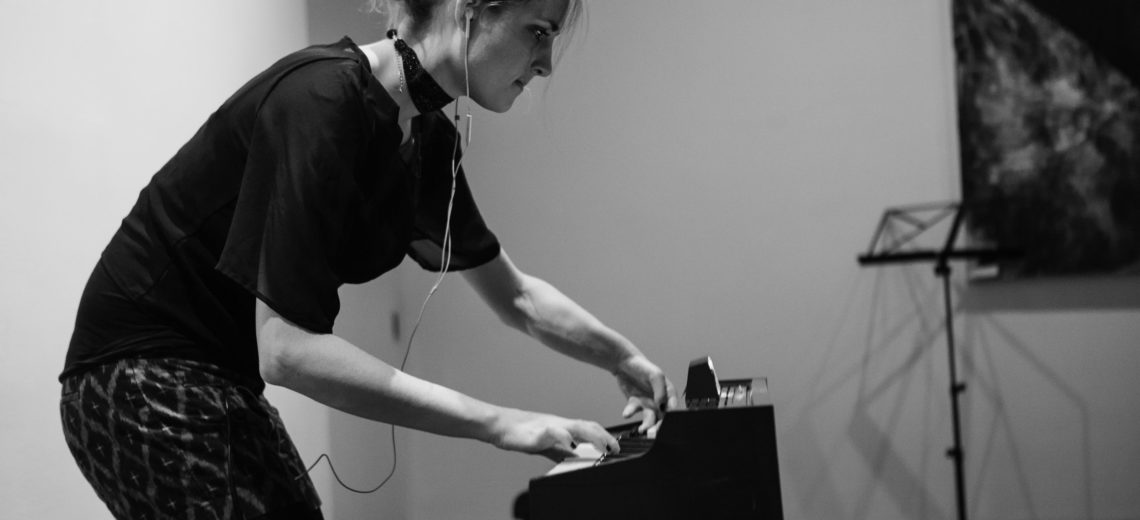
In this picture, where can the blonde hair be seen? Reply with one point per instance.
(419, 13)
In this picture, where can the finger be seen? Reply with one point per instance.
(563, 439)
(672, 403)
(631, 407)
(648, 419)
(602, 439)
(660, 393)
(652, 431)
(593, 433)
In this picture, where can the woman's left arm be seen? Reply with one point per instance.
(539, 309)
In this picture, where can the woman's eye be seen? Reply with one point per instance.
(541, 34)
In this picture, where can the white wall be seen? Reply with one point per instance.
(95, 97)
(702, 178)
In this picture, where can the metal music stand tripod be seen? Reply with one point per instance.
(886, 249)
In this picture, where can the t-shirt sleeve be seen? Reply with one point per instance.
(472, 242)
(289, 215)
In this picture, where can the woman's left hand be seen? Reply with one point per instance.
(648, 390)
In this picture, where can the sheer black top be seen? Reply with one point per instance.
(296, 185)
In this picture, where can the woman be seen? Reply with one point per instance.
(327, 168)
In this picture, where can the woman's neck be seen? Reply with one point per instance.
(387, 67)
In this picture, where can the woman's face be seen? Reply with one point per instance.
(508, 47)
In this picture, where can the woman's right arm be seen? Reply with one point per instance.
(335, 372)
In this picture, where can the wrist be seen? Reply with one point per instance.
(492, 425)
(624, 360)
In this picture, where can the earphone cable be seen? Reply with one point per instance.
(445, 264)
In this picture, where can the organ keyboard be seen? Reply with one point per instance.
(714, 459)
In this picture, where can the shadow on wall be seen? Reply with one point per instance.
(907, 343)
(984, 340)
(881, 404)
(858, 399)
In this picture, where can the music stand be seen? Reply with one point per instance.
(916, 220)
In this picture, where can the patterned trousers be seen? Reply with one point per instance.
(170, 439)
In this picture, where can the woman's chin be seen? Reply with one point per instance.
(501, 109)
(498, 105)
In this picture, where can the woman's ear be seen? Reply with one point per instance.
(468, 7)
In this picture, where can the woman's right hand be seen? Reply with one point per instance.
(548, 435)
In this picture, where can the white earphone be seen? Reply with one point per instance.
(469, 13)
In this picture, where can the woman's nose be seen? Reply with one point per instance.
(543, 64)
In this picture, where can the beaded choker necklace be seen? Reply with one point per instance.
(426, 94)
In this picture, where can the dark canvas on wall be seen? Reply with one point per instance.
(1049, 127)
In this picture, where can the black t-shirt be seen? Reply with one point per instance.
(296, 185)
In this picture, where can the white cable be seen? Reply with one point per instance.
(445, 264)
